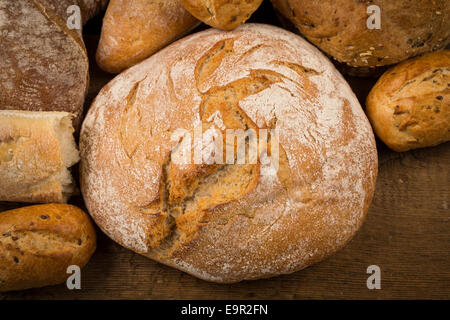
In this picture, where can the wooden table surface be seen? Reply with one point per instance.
(406, 233)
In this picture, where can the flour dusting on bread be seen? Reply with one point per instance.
(257, 76)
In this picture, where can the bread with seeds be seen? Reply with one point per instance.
(347, 30)
(38, 243)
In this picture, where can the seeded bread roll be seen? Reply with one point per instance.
(38, 243)
(222, 14)
(235, 220)
(135, 29)
(407, 28)
(36, 151)
(409, 107)
(43, 63)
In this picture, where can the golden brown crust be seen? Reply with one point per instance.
(135, 29)
(222, 14)
(409, 107)
(36, 150)
(230, 222)
(38, 244)
(43, 64)
(408, 28)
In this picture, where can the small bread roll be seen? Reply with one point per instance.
(228, 222)
(38, 244)
(135, 29)
(409, 107)
(37, 149)
(222, 14)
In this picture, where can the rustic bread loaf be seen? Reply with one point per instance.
(409, 107)
(88, 8)
(38, 243)
(222, 14)
(135, 29)
(226, 222)
(408, 28)
(36, 150)
(43, 63)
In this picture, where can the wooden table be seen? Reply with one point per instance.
(406, 233)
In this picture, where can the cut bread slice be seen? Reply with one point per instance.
(36, 151)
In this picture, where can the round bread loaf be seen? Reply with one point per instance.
(222, 14)
(409, 107)
(230, 222)
(406, 28)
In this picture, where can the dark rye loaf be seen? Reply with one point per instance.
(43, 64)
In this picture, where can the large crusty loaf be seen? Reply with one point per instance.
(222, 14)
(36, 150)
(135, 29)
(409, 107)
(38, 243)
(230, 222)
(43, 64)
(408, 28)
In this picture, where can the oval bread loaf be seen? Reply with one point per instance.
(222, 14)
(38, 243)
(227, 222)
(409, 106)
(135, 29)
(340, 28)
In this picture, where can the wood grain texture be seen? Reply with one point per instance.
(406, 233)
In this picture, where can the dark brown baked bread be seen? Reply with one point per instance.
(38, 244)
(339, 28)
(409, 107)
(43, 64)
(226, 222)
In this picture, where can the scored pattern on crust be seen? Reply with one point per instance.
(283, 223)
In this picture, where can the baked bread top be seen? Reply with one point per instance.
(222, 14)
(227, 223)
(38, 243)
(339, 28)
